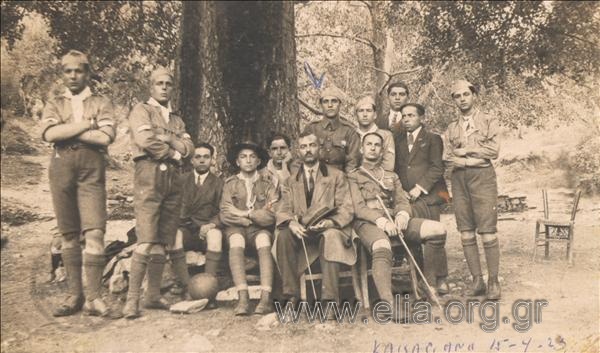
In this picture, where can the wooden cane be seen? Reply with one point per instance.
(410, 255)
(312, 282)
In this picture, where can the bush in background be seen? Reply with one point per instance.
(585, 164)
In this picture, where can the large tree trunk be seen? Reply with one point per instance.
(237, 71)
(381, 57)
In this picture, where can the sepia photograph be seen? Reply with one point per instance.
(300, 176)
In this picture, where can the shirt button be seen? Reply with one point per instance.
(328, 150)
(408, 167)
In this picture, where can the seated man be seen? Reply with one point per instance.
(314, 186)
(372, 225)
(248, 215)
(199, 221)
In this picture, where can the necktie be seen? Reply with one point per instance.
(411, 141)
(199, 180)
(311, 181)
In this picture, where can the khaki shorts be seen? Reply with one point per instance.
(369, 233)
(474, 199)
(78, 188)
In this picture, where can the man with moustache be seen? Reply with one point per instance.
(314, 187)
(80, 124)
(366, 113)
(247, 211)
(159, 143)
(473, 141)
(420, 166)
(200, 226)
(375, 230)
(337, 137)
(398, 94)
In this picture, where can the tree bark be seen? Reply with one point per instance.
(237, 71)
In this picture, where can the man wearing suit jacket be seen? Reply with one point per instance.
(314, 186)
(420, 167)
(199, 220)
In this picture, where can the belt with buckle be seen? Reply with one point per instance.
(75, 145)
(163, 161)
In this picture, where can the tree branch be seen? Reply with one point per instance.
(333, 35)
(309, 107)
(392, 75)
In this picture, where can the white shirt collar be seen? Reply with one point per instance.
(201, 176)
(77, 102)
(362, 134)
(307, 170)
(415, 133)
(164, 111)
(393, 117)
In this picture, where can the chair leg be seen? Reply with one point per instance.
(364, 278)
(570, 245)
(547, 244)
(535, 240)
(303, 288)
(356, 284)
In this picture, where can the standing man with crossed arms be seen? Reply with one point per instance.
(80, 125)
(160, 142)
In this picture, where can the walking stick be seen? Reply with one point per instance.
(410, 255)
(312, 282)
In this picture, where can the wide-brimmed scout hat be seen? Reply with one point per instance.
(248, 145)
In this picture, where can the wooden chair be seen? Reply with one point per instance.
(398, 271)
(554, 229)
(353, 274)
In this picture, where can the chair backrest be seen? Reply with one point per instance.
(563, 202)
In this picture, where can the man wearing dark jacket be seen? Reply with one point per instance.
(420, 167)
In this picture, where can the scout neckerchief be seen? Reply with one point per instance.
(164, 111)
(372, 177)
(249, 184)
(77, 102)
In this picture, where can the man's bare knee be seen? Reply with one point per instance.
(214, 240)
(70, 240)
(381, 244)
(157, 249)
(237, 241)
(487, 237)
(178, 243)
(432, 229)
(262, 240)
(94, 241)
(467, 235)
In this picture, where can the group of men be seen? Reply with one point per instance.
(349, 186)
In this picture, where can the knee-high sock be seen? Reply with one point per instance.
(72, 261)
(382, 273)
(94, 267)
(238, 268)
(179, 266)
(492, 257)
(212, 262)
(155, 268)
(137, 271)
(472, 256)
(265, 262)
(435, 260)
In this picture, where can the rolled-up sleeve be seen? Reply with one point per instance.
(106, 119)
(50, 117)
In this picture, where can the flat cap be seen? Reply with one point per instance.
(74, 57)
(161, 71)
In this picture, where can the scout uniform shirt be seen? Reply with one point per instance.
(340, 143)
(258, 194)
(478, 134)
(147, 120)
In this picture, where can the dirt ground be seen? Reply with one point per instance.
(570, 321)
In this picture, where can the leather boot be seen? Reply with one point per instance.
(264, 305)
(243, 306)
(477, 288)
(98, 307)
(493, 292)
